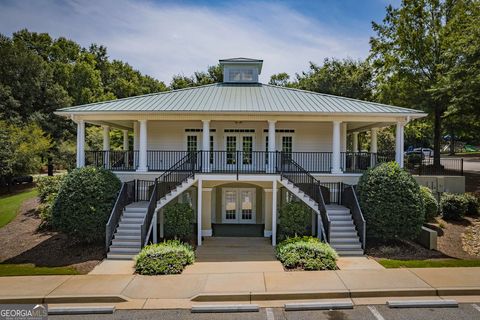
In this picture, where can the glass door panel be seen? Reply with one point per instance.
(230, 207)
(231, 148)
(246, 206)
(247, 148)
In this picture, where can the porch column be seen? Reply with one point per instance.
(142, 147)
(207, 212)
(125, 140)
(267, 232)
(271, 146)
(206, 146)
(373, 146)
(106, 146)
(80, 143)
(344, 145)
(399, 144)
(354, 141)
(135, 144)
(274, 212)
(199, 211)
(336, 155)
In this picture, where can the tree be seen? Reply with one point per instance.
(280, 79)
(213, 75)
(410, 54)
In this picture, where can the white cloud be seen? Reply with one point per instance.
(166, 39)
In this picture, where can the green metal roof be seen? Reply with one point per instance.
(251, 98)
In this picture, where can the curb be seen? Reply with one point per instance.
(422, 304)
(80, 310)
(318, 306)
(63, 299)
(225, 308)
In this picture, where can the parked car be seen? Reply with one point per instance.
(426, 152)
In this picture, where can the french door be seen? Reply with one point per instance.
(238, 205)
(239, 150)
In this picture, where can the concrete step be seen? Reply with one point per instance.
(124, 250)
(127, 225)
(134, 215)
(126, 243)
(343, 234)
(341, 218)
(135, 209)
(116, 256)
(347, 246)
(350, 253)
(128, 220)
(340, 241)
(126, 237)
(343, 223)
(128, 232)
(342, 228)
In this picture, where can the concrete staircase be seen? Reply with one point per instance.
(126, 242)
(343, 235)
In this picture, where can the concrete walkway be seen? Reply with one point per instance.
(267, 288)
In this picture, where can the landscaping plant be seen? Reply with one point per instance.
(453, 206)
(48, 188)
(306, 253)
(178, 221)
(84, 203)
(431, 204)
(391, 203)
(169, 257)
(473, 204)
(294, 220)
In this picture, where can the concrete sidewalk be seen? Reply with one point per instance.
(266, 288)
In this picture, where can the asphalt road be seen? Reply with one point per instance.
(377, 312)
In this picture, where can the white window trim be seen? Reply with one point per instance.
(238, 206)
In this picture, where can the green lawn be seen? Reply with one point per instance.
(10, 204)
(388, 263)
(32, 270)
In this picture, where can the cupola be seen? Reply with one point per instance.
(241, 70)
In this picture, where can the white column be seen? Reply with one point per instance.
(271, 146)
(373, 146)
(135, 144)
(199, 211)
(206, 146)
(142, 147)
(344, 146)
(155, 226)
(106, 146)
(355, 142)
(80, 143)
(336, 147)
(274, 213)
(399, 143)
(125, 140)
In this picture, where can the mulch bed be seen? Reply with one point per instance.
(23, 242)
(402, 250)
(471, 239)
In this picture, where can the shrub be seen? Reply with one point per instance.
(84, 203)
(294, 219)
(431, 204)
(45, 210)
(391, 203)
(178, 220)
(49, 185)
(453, 206)
(307, 253)
(169, 257)
(473, 204)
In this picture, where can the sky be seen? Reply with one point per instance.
(164, 38)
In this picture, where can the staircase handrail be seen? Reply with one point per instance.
(126, 195)
(350, 200)
(165, 183)
(309, 185)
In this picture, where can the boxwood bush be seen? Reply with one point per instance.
(473, 204)
(178, 221)
(453, 206)
(294, 220)
(430, 202)
(85, 202)
(306, 253)
(169, 257)
(48, 185)
(391, 203)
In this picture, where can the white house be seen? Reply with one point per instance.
(237, 150)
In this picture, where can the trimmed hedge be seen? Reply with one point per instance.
(306, 253)
(178, 221)
(473, 204)
(294, 220)
(169, 257)
(391, 203)
(48, 185)
(85, 202)
(453, 206)
(431, 204)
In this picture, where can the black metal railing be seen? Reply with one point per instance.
(112, 160)
(332, 192)
(236, 161)
(350, 200)
(124, 198)
(144, 189)
(182, 170)
(308, 184)
(357, 162)
(426, 166)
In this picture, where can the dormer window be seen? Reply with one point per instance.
(241, 70)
